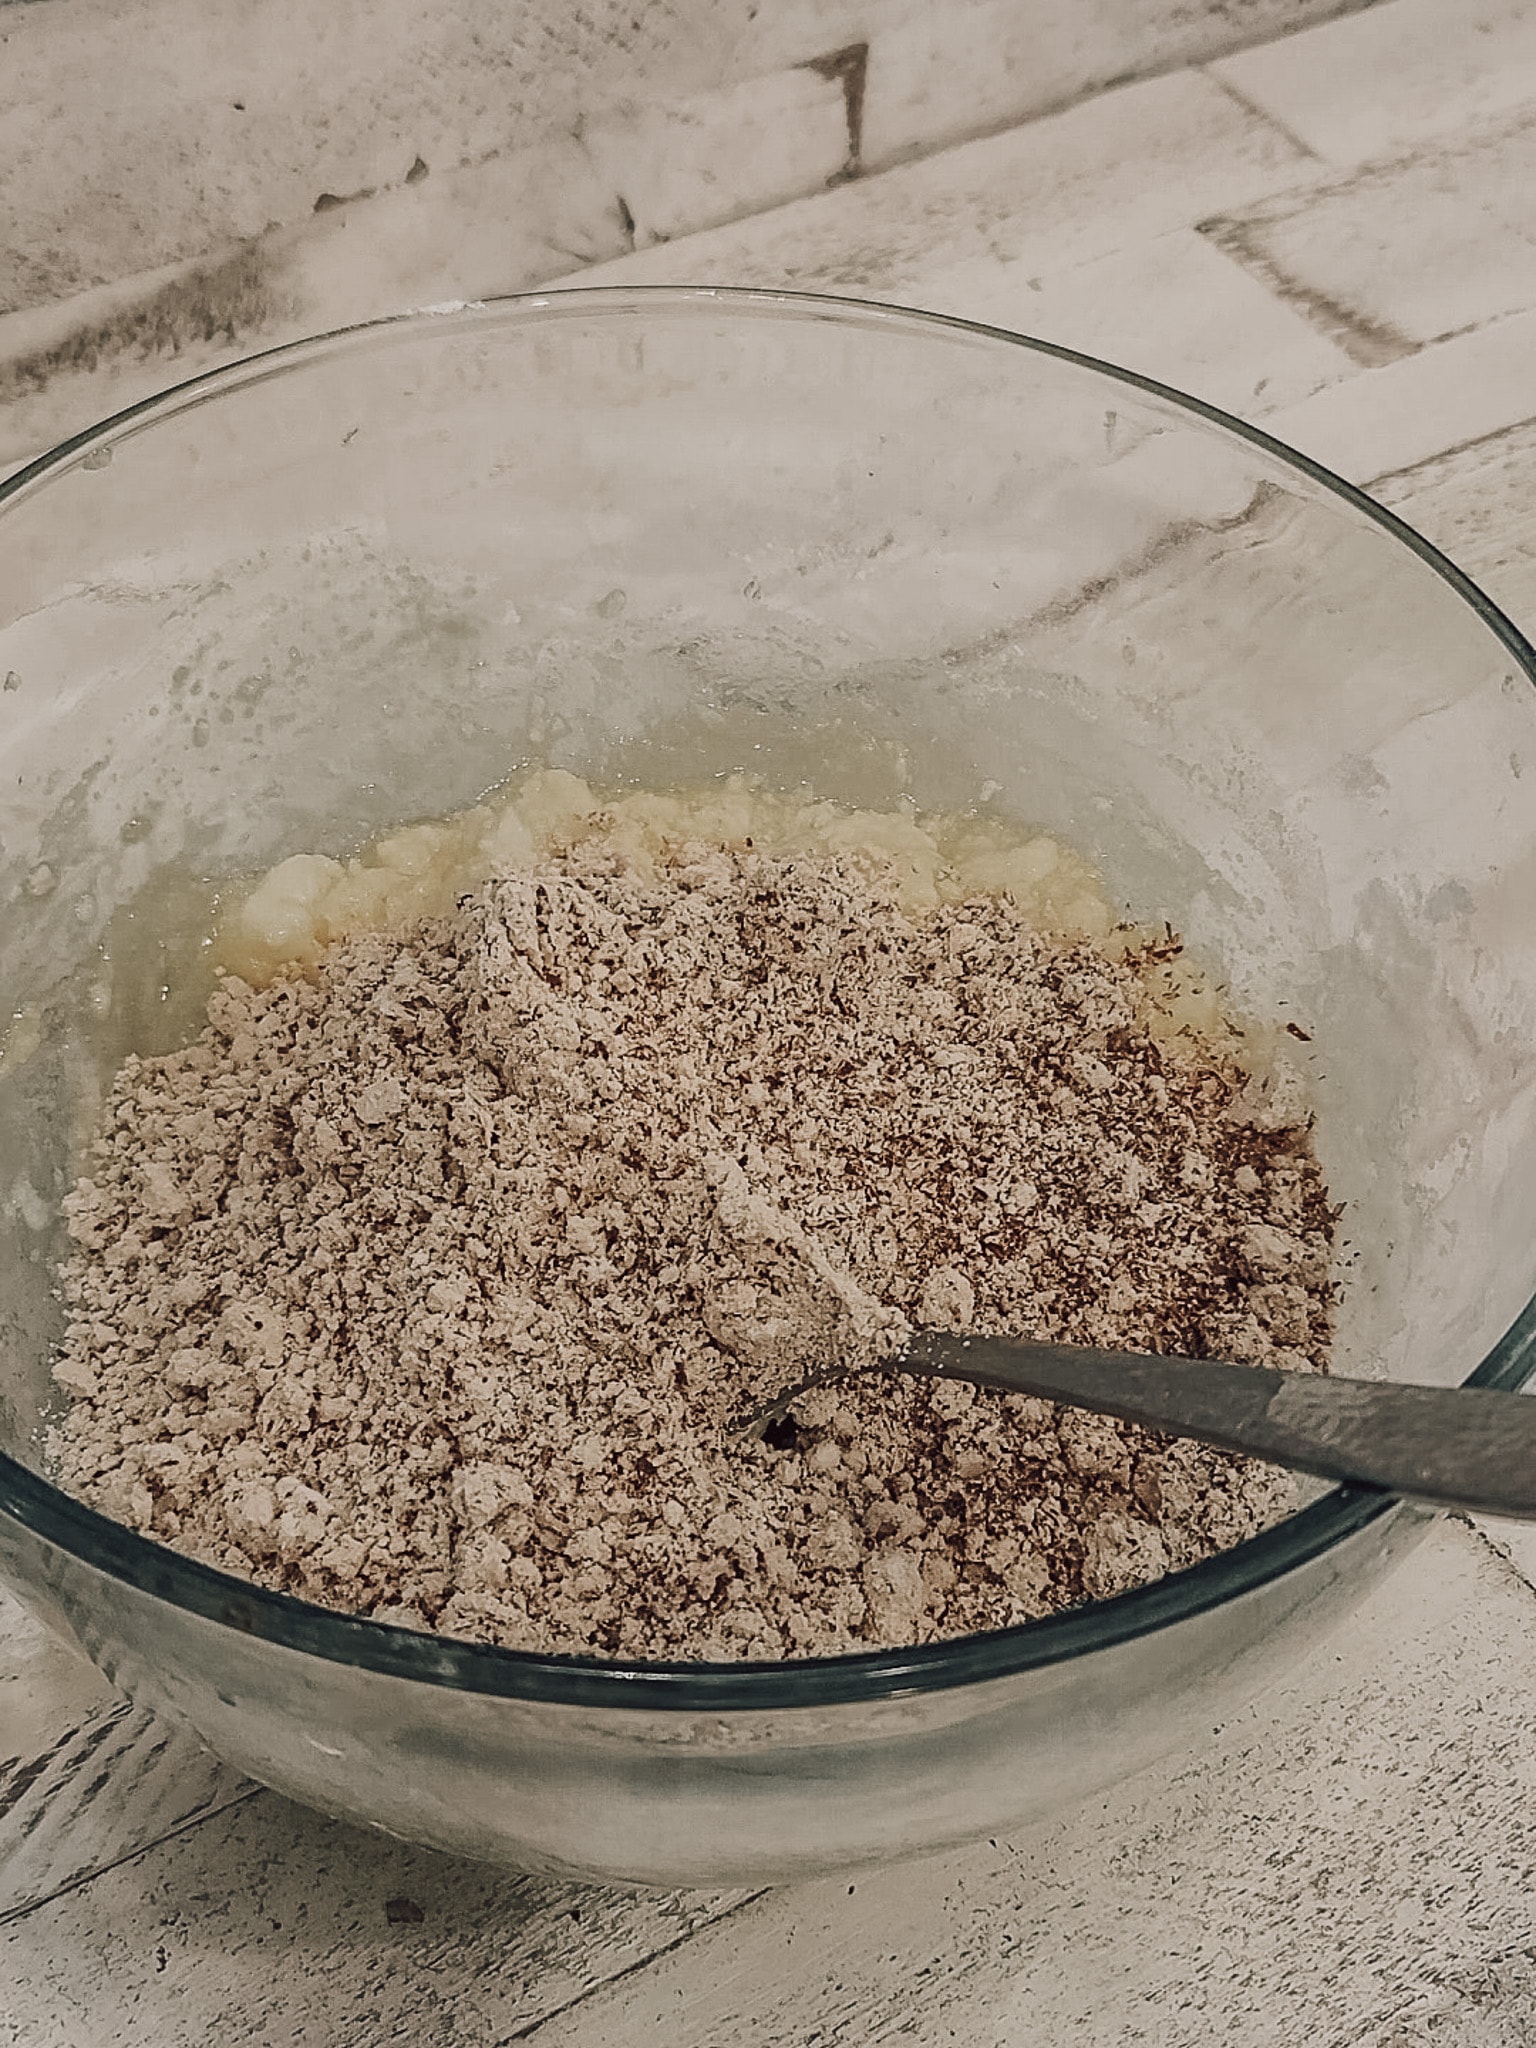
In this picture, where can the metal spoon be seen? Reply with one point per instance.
(1453, 1447)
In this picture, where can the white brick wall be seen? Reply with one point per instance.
(163, 160)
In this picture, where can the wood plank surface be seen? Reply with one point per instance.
(1354, 1851)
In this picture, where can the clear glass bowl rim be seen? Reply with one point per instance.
(120, 1553)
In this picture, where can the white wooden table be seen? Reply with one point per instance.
(1335, 234)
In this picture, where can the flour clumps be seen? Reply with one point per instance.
(428, 1282)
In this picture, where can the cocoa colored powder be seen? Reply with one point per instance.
(428, 1286)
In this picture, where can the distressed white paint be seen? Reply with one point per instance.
(141, 132)
(1393, 257)
(85, 1779)
(1359, 1846)
(942, 73)
(1173, 307)
(268, 1925)
(688, 165)
(1349, 1845)
(1106, 175)
(1354, 1862)
(1478, 503)
(136, 133)
(1377, 83)
(1410, 411)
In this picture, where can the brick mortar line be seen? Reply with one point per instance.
(1369, 344)
(1252, 108)
(1502, 1558)
(167, 278)
(1494, 434)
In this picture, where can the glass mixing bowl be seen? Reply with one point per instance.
(658, 535)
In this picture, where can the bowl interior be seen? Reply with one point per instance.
(656, 537)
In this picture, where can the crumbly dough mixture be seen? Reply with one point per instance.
(428, 1282)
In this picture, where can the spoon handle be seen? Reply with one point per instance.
(1454, 1447)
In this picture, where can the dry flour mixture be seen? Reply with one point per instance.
(527, 1152)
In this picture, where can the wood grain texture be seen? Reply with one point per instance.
(1346, 1848)
(268, 1924)
(85, 1778)
(104, 1788)
(476, 231)
(144, 132)
(1359, 1846)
